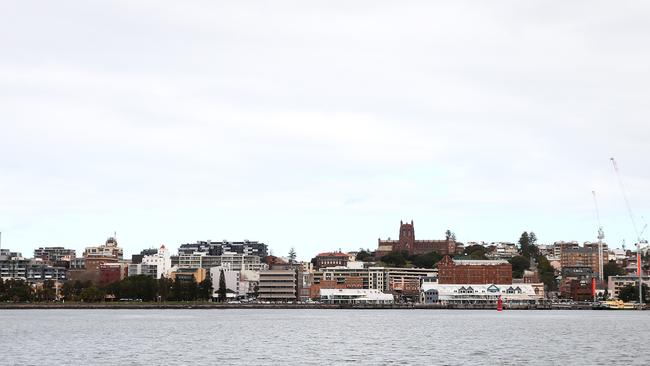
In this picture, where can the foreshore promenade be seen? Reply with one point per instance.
(204, 305)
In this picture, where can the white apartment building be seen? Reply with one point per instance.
(235, 261)
(161, 260)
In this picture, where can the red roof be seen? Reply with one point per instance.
(332, 254)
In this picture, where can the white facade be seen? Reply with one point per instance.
(375, 278)
(233, 279)
(354, 296)
(162, 260)
(505, 250)
(142, 269)
(616, 283)
(432, 292)
(234, 261)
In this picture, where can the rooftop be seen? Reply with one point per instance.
(332, 254)
(479, 262)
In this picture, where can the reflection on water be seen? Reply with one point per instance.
(323, 337)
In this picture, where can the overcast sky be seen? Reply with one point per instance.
(320, 125)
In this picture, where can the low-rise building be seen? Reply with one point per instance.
(354, 296)
(137, 258)
(13, 265)
(38, 272)
(330, 259)
(197, 275)
(481, 293)
(109, 250)
(501, 250)
(217, 248)
(576, 283)
(278, 285)
(54, 255)
(111, 273)
(376, 278)
(143, 269)
(338, 283)
(469, 271)
(616, 283)
(232, 281)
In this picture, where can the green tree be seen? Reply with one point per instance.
(427, 260)
(18, 291)
(524, 240)
(611, 268)
(528, 245)
(91, 294)
(395, 259)
(630, 293)
(205, 288)
(364, 255)
(164, 287)
(546, 273)
(475, 251)
(191, 290)
(450, 236)
(519, 265)
(292, 255)
(177, 290)
(222, 287)
(47, 292)
(67, 291)
(139, 287)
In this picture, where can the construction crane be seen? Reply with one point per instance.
(636, 231)
(601, 236)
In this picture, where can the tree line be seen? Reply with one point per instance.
(136, 288)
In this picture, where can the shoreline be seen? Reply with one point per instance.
(199, 306)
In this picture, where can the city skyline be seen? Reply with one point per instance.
(320, 127)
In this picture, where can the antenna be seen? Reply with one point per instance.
(601, 236)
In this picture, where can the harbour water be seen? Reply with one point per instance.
(323, 337)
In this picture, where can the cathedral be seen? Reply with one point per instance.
(408, 243)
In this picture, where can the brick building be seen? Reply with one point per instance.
(330, 259)
(586, 256)
(578, 290)
(455, 271)
(405, 287)
(347, 282)
(576, 283)
(408, 243)
(111, 273)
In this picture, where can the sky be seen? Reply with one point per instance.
(320, 125)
